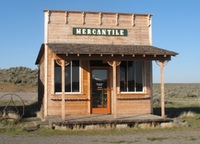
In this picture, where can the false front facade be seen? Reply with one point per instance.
(97, 63)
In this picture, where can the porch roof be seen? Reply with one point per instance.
(106, 49)
(63, 48)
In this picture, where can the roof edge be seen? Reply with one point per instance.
(40, 54)
(78, 45)
(103, 12)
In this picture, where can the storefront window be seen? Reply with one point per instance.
(72, 80)
(131, 76)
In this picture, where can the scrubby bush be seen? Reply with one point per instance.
(19, 76)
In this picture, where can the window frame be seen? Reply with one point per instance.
(79, 92)
(143, 77)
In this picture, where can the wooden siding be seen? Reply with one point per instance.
(136, 103)
(59, 30)
(80, 103)
(133, 107)
(76, 105)
(41, 86)
(61, 24)
(71, 107)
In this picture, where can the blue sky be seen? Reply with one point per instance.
(176, 27)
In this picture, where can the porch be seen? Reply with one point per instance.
(94, 121)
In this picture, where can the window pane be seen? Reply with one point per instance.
(139, 85)
(131, 79)
(68, 78)
(71, 77)
(75, 76)
(123, 76)
(57, 78)
(131, 74)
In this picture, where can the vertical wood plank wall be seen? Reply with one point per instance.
(60, 25)
(61, 32)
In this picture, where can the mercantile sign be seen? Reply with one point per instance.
(100, 31)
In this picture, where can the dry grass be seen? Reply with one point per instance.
(188, 114)
(17, 88)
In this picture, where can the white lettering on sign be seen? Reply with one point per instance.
(84, 31)
(78, 31)
(94, 31)
(103, 32)
(108, 32)
(89, 31)
(121, 32)
(100, 32)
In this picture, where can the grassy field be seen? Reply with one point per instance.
(182, 102)
(179, 98)
(17, 88)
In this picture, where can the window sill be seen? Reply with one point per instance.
(70, 99)
(133, 98)
(131, 93)
(59, 93)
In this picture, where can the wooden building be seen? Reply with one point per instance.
(97, 63)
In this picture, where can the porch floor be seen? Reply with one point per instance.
(105, 119)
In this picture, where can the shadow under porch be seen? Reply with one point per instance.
(93, 121)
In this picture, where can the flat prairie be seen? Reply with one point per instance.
(179, 97)
(182, 104)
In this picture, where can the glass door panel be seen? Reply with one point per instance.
(100, 95)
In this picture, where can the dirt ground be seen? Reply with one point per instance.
(155, 137)
(27, 96)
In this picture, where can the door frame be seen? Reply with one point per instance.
(101, 110)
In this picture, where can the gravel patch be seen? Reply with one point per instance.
(26, 96)
(182, 137)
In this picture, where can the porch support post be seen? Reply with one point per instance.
(114, 90)
(114, 64)
(162, 64)
(162, 89)
(63, 90)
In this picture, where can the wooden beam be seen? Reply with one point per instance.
(162, 64)
(49, 17)
(162, 89)
(45, 81)
(66, 17)
(114, 90)
(117, 19)
(83, 18)
(100, 18)
(114, 65)
(108, 57)
(133, 20)
(63, 91)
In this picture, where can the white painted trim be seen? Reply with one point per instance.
(46, 20)
(150, 30)
(45, 81)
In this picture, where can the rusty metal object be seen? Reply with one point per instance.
(10, 111)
